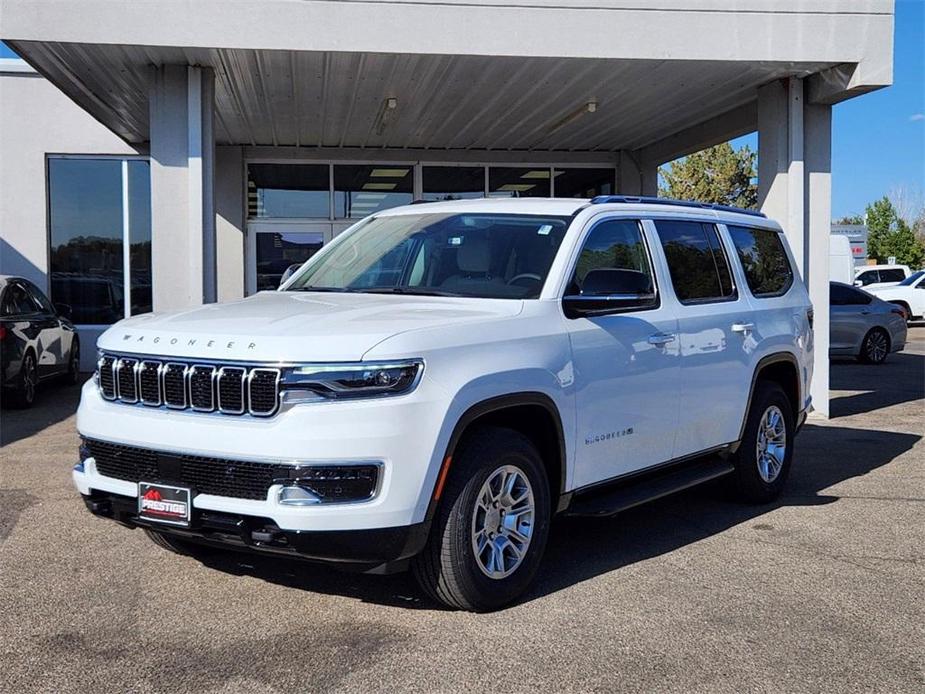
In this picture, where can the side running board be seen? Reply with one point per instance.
(626, 494)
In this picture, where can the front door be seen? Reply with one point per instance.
(275, 245)
(626, 365)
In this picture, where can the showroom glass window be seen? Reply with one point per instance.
(583, 182)
(88, 233)
(288, 191)
(361, 190)
(453, 182)
(518, 182)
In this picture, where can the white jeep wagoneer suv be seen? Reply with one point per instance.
(437, 383)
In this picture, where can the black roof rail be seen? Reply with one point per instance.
(651, 200)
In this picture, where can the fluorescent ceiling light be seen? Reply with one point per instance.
(379, 186)
(538, 173)
(388, 173)
(369, 196)
(517, 187)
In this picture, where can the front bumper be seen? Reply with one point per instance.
(376, 550)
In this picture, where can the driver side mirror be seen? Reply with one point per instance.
(290, 271)
(607, 290)
(64, 310)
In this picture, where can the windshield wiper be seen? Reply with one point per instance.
(310, 288)
(414, 291)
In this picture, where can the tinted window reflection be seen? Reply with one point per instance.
(277, 251)
(696, 262)
(139, 206)
(518, 182)
(361, 190)
(767, 269)
(85, 209)
(612, 244)
(453, 182)
(584, 183)
(288, 190)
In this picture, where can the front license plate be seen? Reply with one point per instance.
(163, 503)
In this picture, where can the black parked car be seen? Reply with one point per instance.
(37, 341)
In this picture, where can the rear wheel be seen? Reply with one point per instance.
(24, 393)
(73, 364)
(490, 529)
(762, 462)
(875, 347)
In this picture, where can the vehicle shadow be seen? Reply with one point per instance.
(900, 379)
(54, 403)
(580, 549)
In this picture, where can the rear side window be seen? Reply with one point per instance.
(16, 301)
(698, 266)
(843, 295)
(612, 244)
(893, 275)
(762, 254)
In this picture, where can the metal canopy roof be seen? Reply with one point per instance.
(332, 99)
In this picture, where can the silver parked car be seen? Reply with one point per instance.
(864, 326)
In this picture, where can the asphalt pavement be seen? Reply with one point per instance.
(822, 591)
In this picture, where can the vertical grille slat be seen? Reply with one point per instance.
(106, 364)
(263, 392)
(202, 387)
(228, 389)
(231, 389)
(149, 382)
(126, 379)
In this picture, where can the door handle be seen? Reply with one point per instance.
(660, 339)
(743, 328)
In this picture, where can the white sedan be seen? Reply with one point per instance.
(909, 294)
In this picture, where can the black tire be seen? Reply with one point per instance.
(72, 377)
(875, 347)
(175, 544)
(23, 395)
(749, 481)
(448, 569)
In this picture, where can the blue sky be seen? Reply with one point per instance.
(878, 140)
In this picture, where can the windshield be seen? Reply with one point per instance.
(911, 278)
(500, 256)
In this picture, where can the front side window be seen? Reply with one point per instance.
(892, 275)
(38, 298)
(502, 256)
(868, 277)
(696, 261)
(614, 244)
(764, 260)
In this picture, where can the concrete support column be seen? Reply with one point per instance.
(629, 180)
(794, 187)
(649, 178)
(183, 248)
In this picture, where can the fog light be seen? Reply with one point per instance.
(330, 484)
(295, 495)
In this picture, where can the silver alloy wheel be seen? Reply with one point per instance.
(771, 445)
(29, 378)
(502, 522)
(875, 347)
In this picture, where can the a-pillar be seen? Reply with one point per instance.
(182, 200)
(795, 188)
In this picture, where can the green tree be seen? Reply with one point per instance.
(717, 174)
(890, 235)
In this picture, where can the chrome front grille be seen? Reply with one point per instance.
(226, 389)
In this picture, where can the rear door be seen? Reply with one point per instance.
(715, 335)
(625, 364)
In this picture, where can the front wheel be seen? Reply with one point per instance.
(490, 529)
(875, 347)
(762, 461)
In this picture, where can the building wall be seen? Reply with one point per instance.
(37, 119)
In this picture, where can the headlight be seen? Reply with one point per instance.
(354, 380)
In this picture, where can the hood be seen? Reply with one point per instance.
(295, 326)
